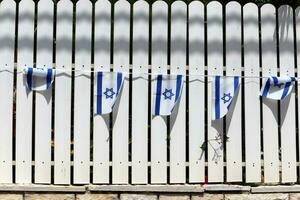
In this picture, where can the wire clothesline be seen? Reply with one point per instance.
(9, 69)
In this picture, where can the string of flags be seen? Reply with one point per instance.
(166, 91)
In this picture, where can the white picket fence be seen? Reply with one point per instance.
(54, 137)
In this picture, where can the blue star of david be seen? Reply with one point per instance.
(226, 98)
(278, 85)
(109, 93)
(168, 94)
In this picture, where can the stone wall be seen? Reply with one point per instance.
(131, 196)
(180, 192)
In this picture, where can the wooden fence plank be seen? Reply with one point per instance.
(24, 98)
(43, 99)
(297, 18)
(178, 116)
(196, 86)
(102, 62)
(233, 21)
(62, 112)
(252, 103)
(215, 67)
(288, 105)
(7, 36)
(159, 56)
(270, 111)
(121, 108)
(82, 92)
(140, 92)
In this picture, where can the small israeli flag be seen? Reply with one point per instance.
(166, 93)
(106, 89)
(223, 92)
(277, 87)
(38, 79)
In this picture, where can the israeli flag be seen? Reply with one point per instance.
(223, 92)
(38, 79)
(166, 93)
(277, 87)
(106, 89)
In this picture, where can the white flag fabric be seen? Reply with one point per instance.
(166, 93)
(106, 89)
(223, 92)
(277, 87)
(38, 79)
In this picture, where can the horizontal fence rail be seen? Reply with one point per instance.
(54, 137)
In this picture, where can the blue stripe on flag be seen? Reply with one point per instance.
(217, 97)
(99, 92)
(178, 86)
(275, 80)
(266, 88)
(29, 78)
(119, 82)
(293, 79)
(49, 77)
(236, 83)
(158, 94)
(286, 89)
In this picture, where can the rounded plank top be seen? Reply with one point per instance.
(83, 34)
(7, 34)
(64, 34)
(286, 40)
(268, 39)
(196, 37)
(215, 37)
(121, 35)
(251, 39)
(140, 36)
(44, 33)
(102, 35)
(178, 36)
(25, 33)
(159, 50)
(233, 38)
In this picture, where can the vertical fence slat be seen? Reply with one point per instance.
(196, 86)
(159, 56)
(24, 98)
(252, 103)
(297, 18)
(215, 67)
(82, 92)
(43, 100)
(270, 111)
(287, 106)
(178, 116)
(62, 113)
(234, 116)
(140, 92)
(121, 108)
(7, 36)
(102, 62)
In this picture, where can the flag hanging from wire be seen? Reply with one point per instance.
(277, 87)
(107, 87)
(166, 93)
(38, 79)
(224, 90)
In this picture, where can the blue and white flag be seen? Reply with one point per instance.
(166, 93)
(223, 92)
(107, 88)
(277, 87)
(38, 79)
